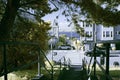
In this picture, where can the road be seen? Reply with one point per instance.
(76, 56)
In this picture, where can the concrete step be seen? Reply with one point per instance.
(77, 67)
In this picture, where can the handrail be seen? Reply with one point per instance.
(20, 67)
(89, 71)
(46, 57)
(103, 70)
(66, 62)
(88, 68)
(52, 71)
(69, 62)
(23, 66)
(20, 43)
(4, 64)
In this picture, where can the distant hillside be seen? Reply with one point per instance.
(70, 34)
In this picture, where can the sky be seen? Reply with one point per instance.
(63, 24)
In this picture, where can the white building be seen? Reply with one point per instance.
(88, 30)
(117, 32)
(99, 33)
(104, 33)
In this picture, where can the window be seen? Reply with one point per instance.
(111, 34)
(87, 32)
(107, 34)
(119, 32)
(90, 25)
(90, 34)
(87, 24)
(103, 33)
(83, 24)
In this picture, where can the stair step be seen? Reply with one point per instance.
(72, 74)
(77, 67)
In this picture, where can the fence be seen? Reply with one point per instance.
(16, 56)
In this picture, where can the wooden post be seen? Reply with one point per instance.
(5, 62)
(95, 61)
(107, 59)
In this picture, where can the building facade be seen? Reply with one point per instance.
(104, 33)
(99, 33)
(117, 32)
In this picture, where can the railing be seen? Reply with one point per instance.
(103, 70)
(10, 50)
(89, 70)
(65, 62)
(101, 67)
(51, 72)
(106, 72)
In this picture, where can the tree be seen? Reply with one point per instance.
(62, 39)
(26, 31)
(91, 9)
(13, 8)
(100, 11)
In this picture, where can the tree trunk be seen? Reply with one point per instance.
(8, 19)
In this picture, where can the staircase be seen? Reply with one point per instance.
(73, 74)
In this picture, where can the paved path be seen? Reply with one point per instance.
(75, 56)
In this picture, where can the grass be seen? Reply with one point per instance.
(32, 73)
(115, 74)
(28, 73)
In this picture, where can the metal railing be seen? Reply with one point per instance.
(7, 66)
(104, 71)
(51, 72)
(66, 63)
(93, 67)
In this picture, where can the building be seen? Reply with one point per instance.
(96, 33)
(104, 33)
(117, 32)
(99, 33)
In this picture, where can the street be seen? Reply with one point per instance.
(76, 57)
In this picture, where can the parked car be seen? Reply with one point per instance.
(98, 52)
(65, 47)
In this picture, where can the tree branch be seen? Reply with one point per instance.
(54, 4)
(29, 2)
(27, 12)
(31, 14)
(99, 14)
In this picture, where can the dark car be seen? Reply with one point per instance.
(98, 52)
(65, 47)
